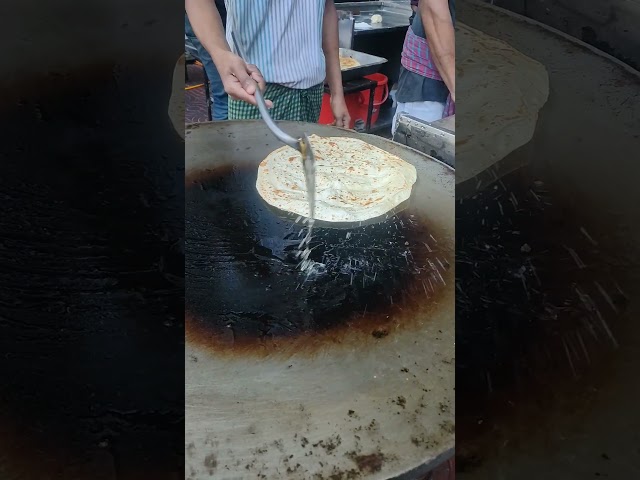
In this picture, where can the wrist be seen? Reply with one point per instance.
(219, 54)
(337, 94)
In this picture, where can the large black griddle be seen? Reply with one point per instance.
(297, 351)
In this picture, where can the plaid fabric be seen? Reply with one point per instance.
(298, 105)
(416, 57)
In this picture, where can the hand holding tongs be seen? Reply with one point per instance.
(300, 144)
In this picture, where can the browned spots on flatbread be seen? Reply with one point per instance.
(342, 180)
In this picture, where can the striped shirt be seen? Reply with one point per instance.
(283, 38)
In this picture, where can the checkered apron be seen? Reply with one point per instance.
(416, 57)
(298, 105)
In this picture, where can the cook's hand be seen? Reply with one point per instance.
(340, 112)
(239, 78)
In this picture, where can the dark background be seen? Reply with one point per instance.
(610, 25)
(91, 247)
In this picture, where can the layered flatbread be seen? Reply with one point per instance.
(502, 93)
(348, 62)
(355, 181)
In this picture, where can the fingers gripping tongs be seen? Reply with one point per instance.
(301, 144)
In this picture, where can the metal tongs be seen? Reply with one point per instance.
(300, 144)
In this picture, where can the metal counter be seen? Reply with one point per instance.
(395, 15)
(436, 139)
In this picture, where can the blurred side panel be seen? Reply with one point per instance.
(547, 251)
(91, 253)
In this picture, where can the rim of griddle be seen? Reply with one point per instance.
(362, 135)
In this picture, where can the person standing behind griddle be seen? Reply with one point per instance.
(219, 99)
(426, 85)
(414, 8)
(295, 42)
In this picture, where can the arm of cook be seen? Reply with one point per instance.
(438, 25)
(236, 75)
(330, 47)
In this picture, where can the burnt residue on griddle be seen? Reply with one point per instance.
(537, 305)
(244, 289)
(210, 463)
(368, 464)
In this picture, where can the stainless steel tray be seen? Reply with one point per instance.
(394, 15)
(368, 64)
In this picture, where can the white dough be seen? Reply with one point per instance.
(355, 181)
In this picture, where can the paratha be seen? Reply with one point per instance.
(503, 91)
(355, 181)
(348, 62)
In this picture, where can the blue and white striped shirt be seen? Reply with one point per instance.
(283, 38)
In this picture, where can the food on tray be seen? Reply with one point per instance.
(348, 62)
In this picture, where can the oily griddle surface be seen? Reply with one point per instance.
(242, 281)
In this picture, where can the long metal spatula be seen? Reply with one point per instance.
(301, 144)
